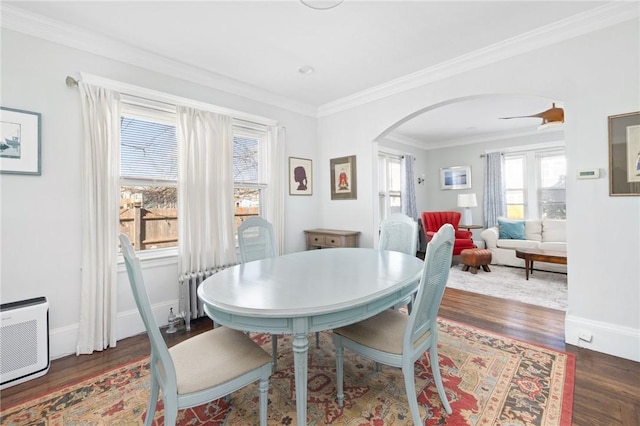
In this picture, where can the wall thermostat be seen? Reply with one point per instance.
(588, 174)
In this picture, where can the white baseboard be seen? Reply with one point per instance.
(623, 342)
(63, 340)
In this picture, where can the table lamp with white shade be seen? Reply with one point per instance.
(467, 201)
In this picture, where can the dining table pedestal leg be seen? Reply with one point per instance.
(300, 352)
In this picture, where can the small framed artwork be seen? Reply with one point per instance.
(20, 144)
(300, 176)
(458, 177)
(344, 185)
(624, 154)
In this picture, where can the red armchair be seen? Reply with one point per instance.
(432, 221)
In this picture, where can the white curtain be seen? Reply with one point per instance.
(205, 190)
(276, 178)
(494, 198)
(100, 207)
(408, 187)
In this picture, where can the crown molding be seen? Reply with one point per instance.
(35, 25)
(16, 19)
(583, 23)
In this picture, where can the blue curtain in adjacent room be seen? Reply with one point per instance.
(494, 198)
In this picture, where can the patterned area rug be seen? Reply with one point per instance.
(490, 380)
(548, 289)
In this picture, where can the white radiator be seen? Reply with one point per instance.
(190, 306)
(24, 341)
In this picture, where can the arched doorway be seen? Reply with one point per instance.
(458, 132)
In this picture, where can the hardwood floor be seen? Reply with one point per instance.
(607, 389)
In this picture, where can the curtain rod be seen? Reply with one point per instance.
(167, 98)
(71, 82)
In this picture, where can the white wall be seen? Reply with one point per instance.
(595, 75)
(40, 215)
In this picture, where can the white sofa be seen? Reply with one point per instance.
(546, 234)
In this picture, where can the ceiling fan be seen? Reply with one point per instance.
(553, 115)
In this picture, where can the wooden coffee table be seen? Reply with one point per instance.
(549, 256)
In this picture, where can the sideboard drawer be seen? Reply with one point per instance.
(332, 241)
(316, 239)
(329, 238)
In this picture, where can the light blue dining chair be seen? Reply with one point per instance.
(397, 339)
(256, 241)
(399, 232)
(200, 369)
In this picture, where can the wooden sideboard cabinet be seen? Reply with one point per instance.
(328, 238)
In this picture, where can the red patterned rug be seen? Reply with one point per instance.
(489, 379)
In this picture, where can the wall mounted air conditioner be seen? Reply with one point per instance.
(24, 341)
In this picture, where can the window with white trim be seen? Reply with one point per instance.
(249, 175)
(149, 174)
(148, 177)
(552, 193)
(515, 186)
(389, 184)
(535, 184)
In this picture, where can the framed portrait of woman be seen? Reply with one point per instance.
(300, 176)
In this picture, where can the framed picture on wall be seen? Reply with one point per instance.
(300, 176)
(20, 143)
(458, 177)
(624, 154)
(344, 185)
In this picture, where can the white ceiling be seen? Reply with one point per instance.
(355, 48)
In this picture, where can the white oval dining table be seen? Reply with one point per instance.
(309, 291)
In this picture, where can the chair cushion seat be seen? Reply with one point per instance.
(227, 353)
(383, 332)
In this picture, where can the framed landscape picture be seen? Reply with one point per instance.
(20, 143)
(344, 178)
(300, 176)
(624, 154)
(458, 177)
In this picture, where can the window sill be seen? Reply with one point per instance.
(157, 257)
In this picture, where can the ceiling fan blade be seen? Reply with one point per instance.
(519, 116)
(552, 115)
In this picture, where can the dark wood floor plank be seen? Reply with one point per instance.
(607, 388)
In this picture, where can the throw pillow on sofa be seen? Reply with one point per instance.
(511, 229)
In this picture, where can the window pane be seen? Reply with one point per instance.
(515, 211)
(148, 152)
(553, 170)
(148, 149)
(395, 204)
(247, 204)
(514, 172)
(554, 211)
(394, 174)
(389, 184)
(245, 159)
(149, 216)
(515, 197)
(552, 194)
(515, 204)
